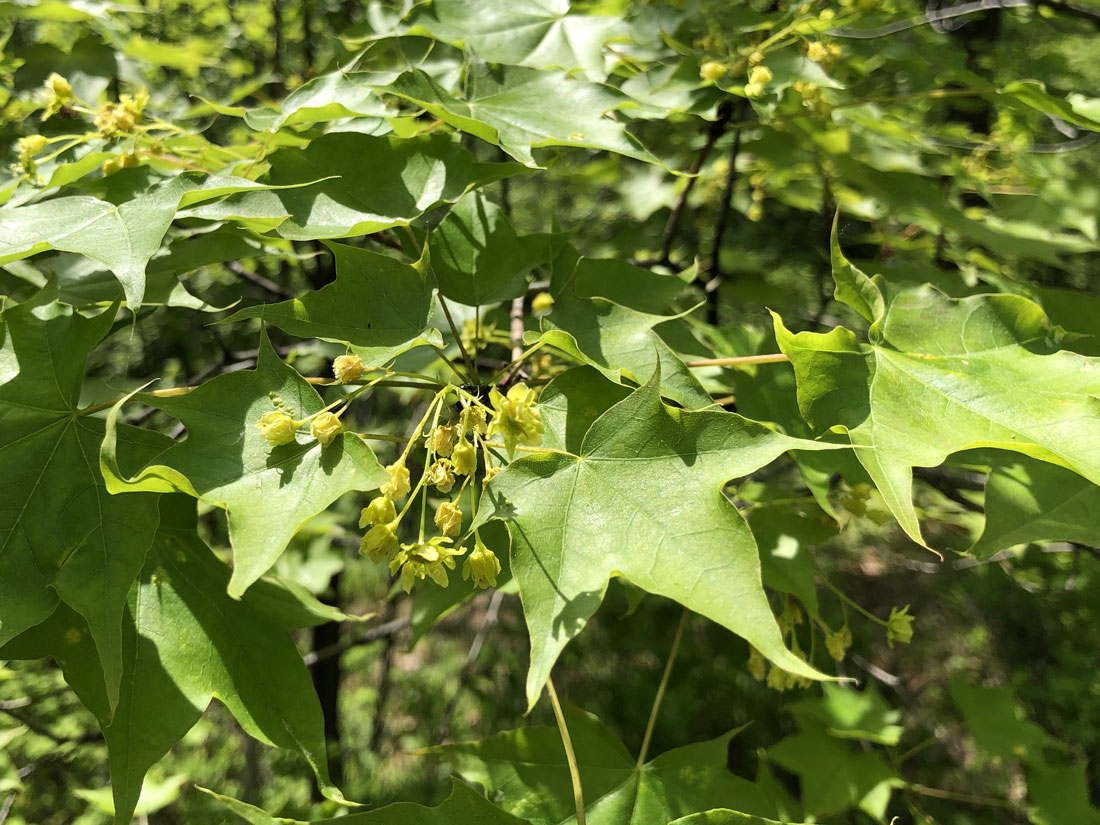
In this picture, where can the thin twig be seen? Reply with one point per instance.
(471, 372)
(740, 360)
(958, 797)
(644, 751)
(372, 634)
(570, 756)
(491, 614)
(714, 271)
(714, 131)
(259, 280)
(7, 807)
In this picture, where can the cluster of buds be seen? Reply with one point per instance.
(759, 78)
(114, 119)
(757, 194)
(824, 54)
(451, 445)
(775, 677)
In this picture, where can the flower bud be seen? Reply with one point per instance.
(817, 52)
(760, 74)
(380, 511)
(59, 87)
(711, 71)
(441, 474)
(442, 439)
(482, 566)
(464, 458)
(756, 58)
(325, 428)
(492, 473)
(380, 542)
(277, 428)
(398, 485)
(448, 518)
(348, 368)
(544, 301)
(30, 146)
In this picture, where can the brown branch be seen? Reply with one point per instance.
(372, 634)
(443, 728)
(259, 280)
(714, 132)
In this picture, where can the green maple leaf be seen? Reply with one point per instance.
(526, 771)
(327, 97)
(178, 614)
(1031, 500)
(479, 258)
(123, 237)
(63, 537)
(940, 375)
(370, 184)
(464, 806)
(604, 314)
(377, 305)
(268, 492)
(851, 714)
(540, 34)
(833, 776)
(602, 505)
(520, 109)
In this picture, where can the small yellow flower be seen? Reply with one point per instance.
(761, 74)
(755, 213)
(838, 643)
(348, 368)
(899, 626)
(58, 86)
(380, 542)
(30, 146)
(441, 475)
(754, 90)
(492, 473)
(325, 428)
(448, 518)
(817, 51)
(430, 559)
(113, 119)
(517, 417)
(442, 439)
(473, 420)
(711, 71)
(482, 565)
(277, 428)
(398, 485)
(381, 510)
(464, 458)
(756, 58)
(544, 301)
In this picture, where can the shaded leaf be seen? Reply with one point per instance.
(373, 183)
(526, 771)
(377, 305)
(1034, 501)
(943, 375)
(522, 109)
(62, 536)
(463, 807)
